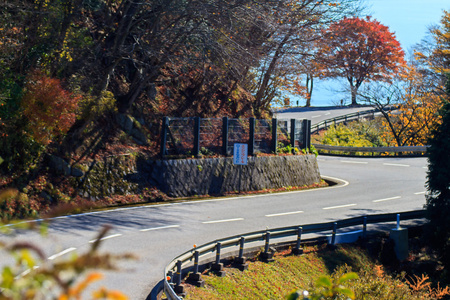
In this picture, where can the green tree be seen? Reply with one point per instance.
(438, 183)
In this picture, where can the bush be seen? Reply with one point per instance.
(49, 108)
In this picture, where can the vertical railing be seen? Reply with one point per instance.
(194, 132)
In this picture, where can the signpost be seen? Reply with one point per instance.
(240, 155)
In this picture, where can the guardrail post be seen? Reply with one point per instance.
(267, 256)
(179, 288)
(332, 245)
(364, 233)
(225, 136)
(196, 277)
(400, 237)
(241, 260)
(241, 247)
(164, 126)
(196, 148)
(298, 250)
(251, 140)
(274, 135)
(217, 267)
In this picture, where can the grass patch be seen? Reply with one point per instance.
(288, 273)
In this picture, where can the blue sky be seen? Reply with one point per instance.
(408, 19)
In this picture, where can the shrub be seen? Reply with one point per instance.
(49, 109)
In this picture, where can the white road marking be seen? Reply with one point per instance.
(106, 238)
(396, 165)
(316, 116)
(354, 162)
(328, 113)
(387, 199)
(162, 227)
(26, 272)
(339, 206)
(285, 214)
(419, 193)
(223, 221)
(62, 253)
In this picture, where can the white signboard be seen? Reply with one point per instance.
(240, 153)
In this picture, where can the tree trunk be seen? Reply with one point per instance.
(309, 89)
(354, 90)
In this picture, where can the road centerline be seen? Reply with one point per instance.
(285, 213)
(340, 206)
(387, 199)
(223, 221)
(106, 238)
(354, 162)
(396, 165)
(161, 227)
(62, 253)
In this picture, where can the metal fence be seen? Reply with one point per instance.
(190, 260)
(195, 136)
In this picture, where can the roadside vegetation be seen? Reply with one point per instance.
(374, 274)
(71, 72)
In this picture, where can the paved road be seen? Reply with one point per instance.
(158, 233)
(318, 114)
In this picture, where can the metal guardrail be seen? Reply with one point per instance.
(371, 149)
(345, 118)
(173, 272)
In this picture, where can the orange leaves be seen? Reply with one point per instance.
(49, 108)
(360, 49)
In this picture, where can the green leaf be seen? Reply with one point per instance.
(324, 281)
(8, 278)
(1, 160)
(347, 277)
(347, 292)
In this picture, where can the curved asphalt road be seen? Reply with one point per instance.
(318, 114)
(158, 233)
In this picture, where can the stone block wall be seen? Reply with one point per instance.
(215, 176)
(130, 174)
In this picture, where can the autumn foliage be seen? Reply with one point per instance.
(360, 50)
(49, 108)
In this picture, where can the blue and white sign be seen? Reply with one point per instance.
(240, 153)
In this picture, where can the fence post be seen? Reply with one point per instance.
(251, 140)
(225, 136)
(274, 135)
(164, 126)
(196, 149)
(305, 133)
(293, 133)
(308, 134)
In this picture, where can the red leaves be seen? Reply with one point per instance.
(361, 49)
(49, 108)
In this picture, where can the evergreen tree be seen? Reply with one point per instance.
(438, 183)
